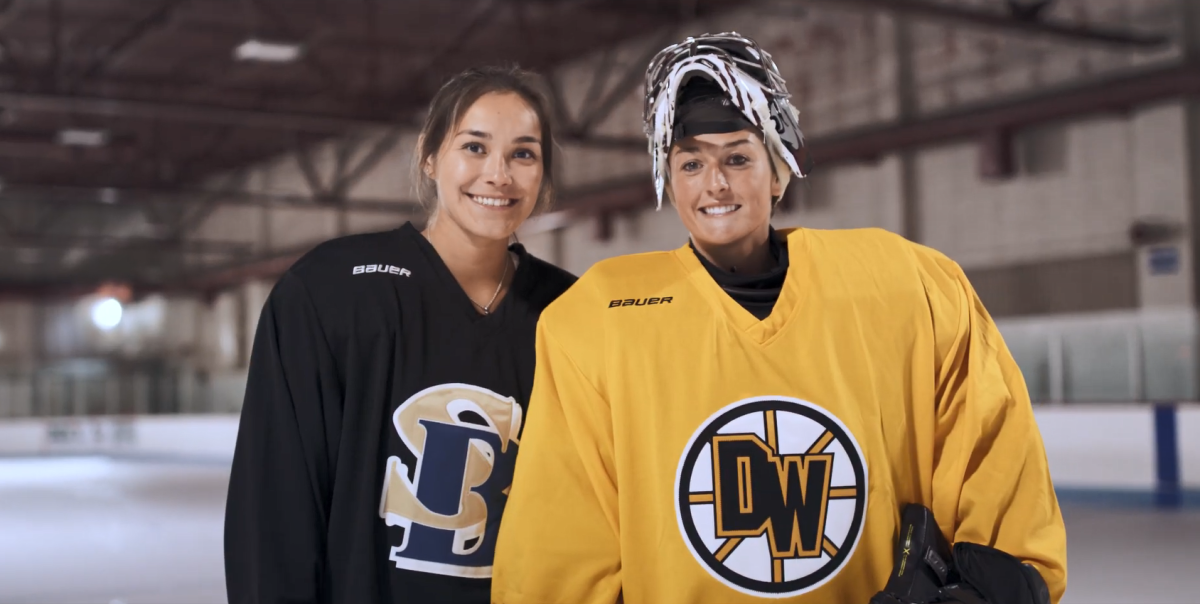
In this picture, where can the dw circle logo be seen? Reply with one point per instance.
(771, 495)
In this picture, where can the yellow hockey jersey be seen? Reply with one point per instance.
(679, 450)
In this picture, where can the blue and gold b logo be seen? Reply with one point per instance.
(465, 441)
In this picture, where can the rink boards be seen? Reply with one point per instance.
(1131, 448)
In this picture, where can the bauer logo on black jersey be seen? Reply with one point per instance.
(465, 441)
(771, 494)
(386, 269)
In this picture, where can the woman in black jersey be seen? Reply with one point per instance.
(390, 373)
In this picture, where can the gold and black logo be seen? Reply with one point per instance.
(771, 496)
(465, 441)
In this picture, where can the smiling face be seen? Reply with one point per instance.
(722, 185)
(489, 168)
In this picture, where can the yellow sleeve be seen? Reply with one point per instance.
(558, 538)
(991, 481)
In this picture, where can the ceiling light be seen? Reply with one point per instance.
(270, 52)
(72, 137)
(106, 314)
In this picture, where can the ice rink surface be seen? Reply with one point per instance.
(83, 530)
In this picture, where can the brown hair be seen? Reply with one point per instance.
(456, 97)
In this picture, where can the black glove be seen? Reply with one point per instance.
(922, 557)
(927, 571)
(999, 577)
(954, 594)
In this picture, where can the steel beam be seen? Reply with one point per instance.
(22, 290)
(479, 15)
(49, 151)
(89, 196)
(268, 266)
(216, 280)
(1075, 34)
(106, 57)
(191, 113)
(1114, 95)
(634, 74)
(110, 243)
(205, 282)
(12, 11)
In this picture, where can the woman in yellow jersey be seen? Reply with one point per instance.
(744, 419)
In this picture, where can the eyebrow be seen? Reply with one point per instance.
(486, 136)
(694, 148)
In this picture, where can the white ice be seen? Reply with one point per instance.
(93, 530)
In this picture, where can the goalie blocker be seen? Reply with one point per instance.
(928, 570)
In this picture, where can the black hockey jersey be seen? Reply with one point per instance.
(380, 427)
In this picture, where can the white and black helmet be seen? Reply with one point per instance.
(748, 79)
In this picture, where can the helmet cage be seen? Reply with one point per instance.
(751, 81)
(740, 52)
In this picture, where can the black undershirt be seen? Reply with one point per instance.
(756, 293)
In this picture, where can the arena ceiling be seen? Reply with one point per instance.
(115, 108)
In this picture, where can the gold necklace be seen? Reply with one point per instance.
(487, 308)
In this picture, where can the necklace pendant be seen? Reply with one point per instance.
(485, 308)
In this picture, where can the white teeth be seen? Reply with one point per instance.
(497, 202)
(719, 210)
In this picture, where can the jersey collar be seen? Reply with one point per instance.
(727, 309)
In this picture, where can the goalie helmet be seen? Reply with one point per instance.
(744, 76)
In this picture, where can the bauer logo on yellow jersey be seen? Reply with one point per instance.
(771, 494)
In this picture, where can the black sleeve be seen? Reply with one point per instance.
(279, 487)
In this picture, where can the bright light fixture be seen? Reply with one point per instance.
(106, 313)
(270, 52)
(72, 137)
